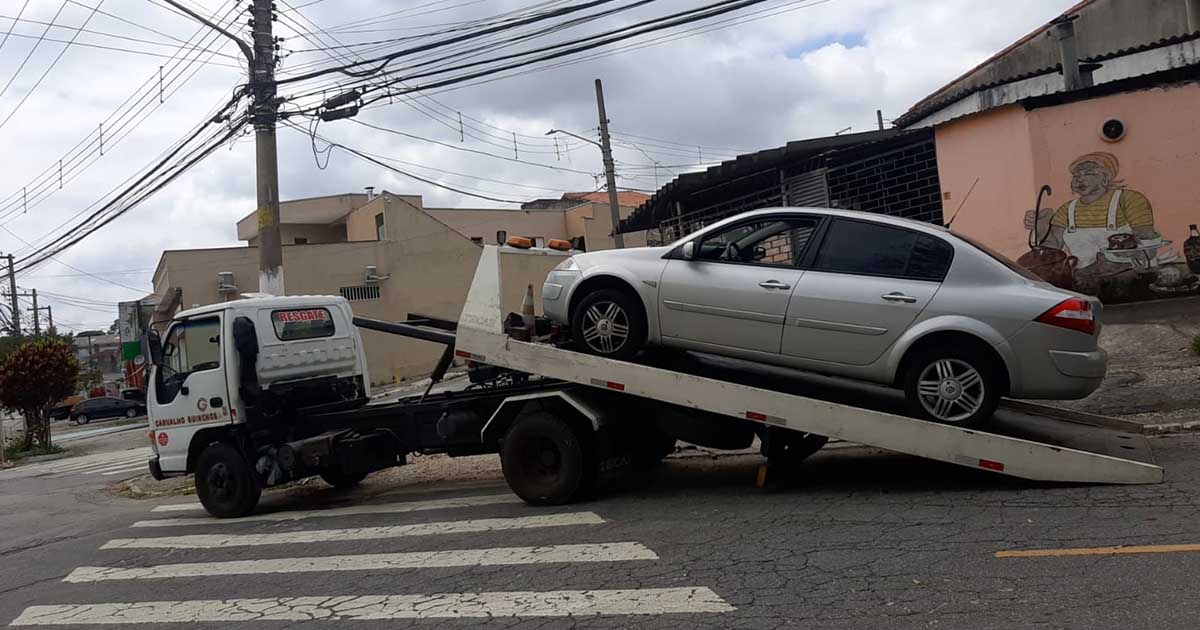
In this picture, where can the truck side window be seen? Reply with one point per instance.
(193, 345)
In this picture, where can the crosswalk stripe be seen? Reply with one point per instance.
(650, 601)
(215, 541)
(120, 465)
(122, 471)
(76, 463)
(354, 510)
(178, 507)
(603, 552)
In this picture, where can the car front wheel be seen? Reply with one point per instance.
(131, 413)
(608, 323)
(81, 419)
(953, 386)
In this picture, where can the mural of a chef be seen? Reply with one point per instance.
(1105, 223)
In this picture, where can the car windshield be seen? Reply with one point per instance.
(1001, 258)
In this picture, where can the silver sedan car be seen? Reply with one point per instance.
(844, 293)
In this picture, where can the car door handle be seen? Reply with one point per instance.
(896, 296)
(774, 284)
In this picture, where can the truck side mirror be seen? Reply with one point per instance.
(688, 251)
(152, 347)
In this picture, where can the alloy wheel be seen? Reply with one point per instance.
(951, 390)
(606, 327)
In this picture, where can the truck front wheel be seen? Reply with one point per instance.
(545, 461)
(225, 482)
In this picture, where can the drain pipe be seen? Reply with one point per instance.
(1064, 33)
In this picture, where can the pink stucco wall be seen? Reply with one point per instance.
(1013, 152)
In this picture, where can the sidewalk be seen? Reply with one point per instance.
(1153, 376)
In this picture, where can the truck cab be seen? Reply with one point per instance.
(239, 373)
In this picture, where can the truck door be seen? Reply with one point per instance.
(188, 390)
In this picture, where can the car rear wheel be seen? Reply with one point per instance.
(955, 386)
(131, 413)
(608, 323)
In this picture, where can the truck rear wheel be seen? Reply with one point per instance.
(339, 478)
(225, 483)
(545, 461)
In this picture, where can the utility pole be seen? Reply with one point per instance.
(37, 321)
(264, 112)
(49, 315)
(609, 169)
(12, 295)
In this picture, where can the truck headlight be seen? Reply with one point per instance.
(567, 265)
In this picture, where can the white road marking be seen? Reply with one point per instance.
(102, 459)
(650, 601)
(603, 552)
(216, 541)
(353, 510)
(125, 471)
(121, 465)
(178, 507)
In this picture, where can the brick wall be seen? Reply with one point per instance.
(902, 183)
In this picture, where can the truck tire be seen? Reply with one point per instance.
(545, 461)
(225, 482)
(339, 478)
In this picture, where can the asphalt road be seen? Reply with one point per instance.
(862, 539)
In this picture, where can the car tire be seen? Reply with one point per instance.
(341, 479)
(601, 317)
(545, 461)
(81, 419)
(225, 482)
(956, 386)
(131, 413)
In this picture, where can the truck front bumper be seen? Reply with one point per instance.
(156, 470)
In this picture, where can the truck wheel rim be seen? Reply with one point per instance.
(542, 460)
(219, 482)
(606, 327)
(951, 390)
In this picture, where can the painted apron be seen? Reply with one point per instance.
(1085, 243)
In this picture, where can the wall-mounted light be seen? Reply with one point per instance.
(372, 275)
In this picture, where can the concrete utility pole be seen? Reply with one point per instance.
(610, 172)
(37, 321)
(264, 113)
(12, 295)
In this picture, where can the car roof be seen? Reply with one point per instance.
(261, 301)
(921, 226)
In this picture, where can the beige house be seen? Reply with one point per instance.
(387, 254)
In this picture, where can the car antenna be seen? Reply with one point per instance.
(961, 204)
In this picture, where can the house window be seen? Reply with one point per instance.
(300, 240)
(361, 292)
(379, 231)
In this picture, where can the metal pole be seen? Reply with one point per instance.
(12, 295)
(37, 326)
(609, 169)
(50, 317)
(262, 79)
(879, 118)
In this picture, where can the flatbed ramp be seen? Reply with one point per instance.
(1029, 447)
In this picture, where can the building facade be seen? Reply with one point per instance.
(1086, 177)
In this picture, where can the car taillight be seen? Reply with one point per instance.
(1072, 313)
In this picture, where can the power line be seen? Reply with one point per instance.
(14, 24)
(101, 34)
(124, 50)
(32, 50)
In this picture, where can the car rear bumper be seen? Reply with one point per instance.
(1053, 364)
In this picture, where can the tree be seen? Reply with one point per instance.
(115, 329)
(36, 375)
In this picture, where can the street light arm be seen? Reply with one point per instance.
(246, 50)
(574, 135)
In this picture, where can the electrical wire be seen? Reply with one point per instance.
(14, 24)
(31, 51)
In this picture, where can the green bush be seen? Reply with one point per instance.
(1196, 344)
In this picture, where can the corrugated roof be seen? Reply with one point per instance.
(1104, 29)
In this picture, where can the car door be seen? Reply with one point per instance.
(867, 284)
(733, 293)
(109, 408)
(189, 388)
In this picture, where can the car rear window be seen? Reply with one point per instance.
(302, 323)
(864, 248)
(1000, 258)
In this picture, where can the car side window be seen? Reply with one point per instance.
(773, 241)
(864, 248)
(193, 345)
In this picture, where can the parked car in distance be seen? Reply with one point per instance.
(853, 294)
(135, 394)
(106, 407)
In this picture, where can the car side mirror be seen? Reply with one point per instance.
(688, 251)
(152, 347)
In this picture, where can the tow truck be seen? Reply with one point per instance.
(256, 392)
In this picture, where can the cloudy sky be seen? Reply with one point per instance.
(803, 69)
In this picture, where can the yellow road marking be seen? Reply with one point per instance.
(1096, 551)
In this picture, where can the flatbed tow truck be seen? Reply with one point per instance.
(562, 421)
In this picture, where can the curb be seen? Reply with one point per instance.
(1173, 427)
